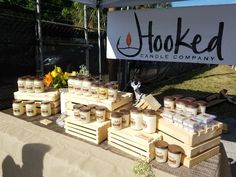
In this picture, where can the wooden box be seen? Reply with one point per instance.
(135, 143)
(93, 132)
(123, 99)
(51, 95)
(188, 138)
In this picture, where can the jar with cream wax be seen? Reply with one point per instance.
(46, 109)
(21, 84)
(149, 121)
(78, 85)
(29, 85)
(191, 108)
(136, 119)
(112, 92)
(201, 106)
(95, 89)
(161, 151)
(71, 84)
(18, 108)
(116, 120)
(169, 102)
(174, 156)
(92, 111)
(103, 91)
(30, 107)
(87, 86)
(100, 113)
(125, 117)
(85, 114)
(38, 85)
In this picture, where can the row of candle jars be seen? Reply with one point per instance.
(87, 86)
(170, 153)
(187, 104)
(139, 120)
(30, 84)
(89, 113)
(29, 107)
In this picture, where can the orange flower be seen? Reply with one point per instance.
(47, 79)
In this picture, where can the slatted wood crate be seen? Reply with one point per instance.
(50, 95)
(197, 146)
(135, 143)
(93, 132)
(191, 139)
(123, 99)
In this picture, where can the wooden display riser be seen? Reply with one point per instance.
(135, 143)
(188, 138)
(50, 95)
(190, 162)
(93, 132)
(123, 99)
(195, 150)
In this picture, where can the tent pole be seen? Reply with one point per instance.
(99, 45)
(86, 35)
(39, 64)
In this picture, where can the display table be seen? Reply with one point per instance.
(27, 150)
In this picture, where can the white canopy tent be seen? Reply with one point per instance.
(101, 4)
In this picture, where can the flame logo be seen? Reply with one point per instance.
(128, 39)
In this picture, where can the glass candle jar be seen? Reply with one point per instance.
(85, 114)
(125, 117)
(87, 86)
(180, 105)
(116, 120)
(29, 84)
(78, 85)
(38, 85)
(191, 108)
(136, 119)
(30, 107)
(18, 108)
(161, 151)
(169, 102)
(100, 114)
(92, 111)
(76, 110)
(103, 91)
(46, 109)
(112, 93)
(174, 156)
(71, 84)
(201, 106)
(149, 121)
(95, 89)
(21, 84)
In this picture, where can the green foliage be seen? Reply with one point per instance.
(143, 169)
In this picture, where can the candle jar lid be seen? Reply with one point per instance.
(95, 83)
(169, 98)
(38, 78)
(192, 105)
(181, 102)
(17, 101)
(175, 149)
(201, 102)
(30, 78)
(85, 109)
(21, 78)
(117, 115)
(135, 110)
(78, 106)
(149, 112)
(30, 102)
(101, 108)
(125, 111)
(92, 106)
(177, 97)
(189, 99)
(45, 102)
(161, 144)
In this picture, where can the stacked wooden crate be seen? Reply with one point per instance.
(197, 146)
(51, 95)
(94, 132)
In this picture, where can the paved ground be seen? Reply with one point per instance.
(229, 141)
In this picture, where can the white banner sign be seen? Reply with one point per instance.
(194, 34)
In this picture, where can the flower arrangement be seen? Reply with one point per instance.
(143, 169)
(58, 79)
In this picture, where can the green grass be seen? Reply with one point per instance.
(200, 83)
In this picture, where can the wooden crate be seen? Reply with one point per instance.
(135, 143)
(192, 151)
(93, 132)
(192, 161)
(51, 95)
(188, 138)
(123, 99)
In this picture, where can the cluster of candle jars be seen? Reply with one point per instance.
(170, 153)
(30, 84)
(187, 104)
(88, 86)
(29, 107)
(139, 120)
(89, 113)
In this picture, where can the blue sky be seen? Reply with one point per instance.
(202, 2)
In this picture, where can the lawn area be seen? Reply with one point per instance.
(200, 83)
